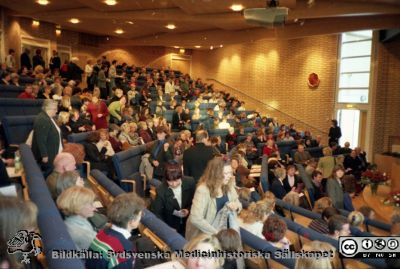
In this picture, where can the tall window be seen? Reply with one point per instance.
(355, 65)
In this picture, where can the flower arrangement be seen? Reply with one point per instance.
(393, 199)
(373, 178)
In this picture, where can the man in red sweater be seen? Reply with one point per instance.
(27, 94)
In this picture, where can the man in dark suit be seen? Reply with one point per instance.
(38, 59)
(55, 61)
(174, 198)
(317, 187)
(46, 140)
(26, 60)
(277, 186)
(195, 159)
(160, 153)
(177, 119)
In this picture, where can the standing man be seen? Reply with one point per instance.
(55, 62)
(38, 59)
(195, 159)
(10, 59)
(26, 60)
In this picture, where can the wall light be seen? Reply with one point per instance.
(221, 46)
(182, 51)
(35, 23)
(74, 20)
(197, 47)
(43, 2)
(237, 7)
(129, 22)
(211, 47)
(58, 32)
(176, 47)
(110, 2)
(171, 26)
(119, 31)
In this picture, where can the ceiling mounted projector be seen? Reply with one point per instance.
(271, 16)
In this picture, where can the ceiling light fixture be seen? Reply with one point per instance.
(221, 46)
(74, 20)
(211, 47)
(171, 26)
(35, 23)
(197, 47)
(58, 31)
(119, 31)
(176, 47)
(182, 51)
(110, 2)
(237, 7)
(129, 22)
(43, 2)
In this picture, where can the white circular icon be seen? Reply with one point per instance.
(349, 247)
(393, 244)
(367, 244)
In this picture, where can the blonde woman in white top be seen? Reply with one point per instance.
(105, 143)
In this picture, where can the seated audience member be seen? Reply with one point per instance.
(97, 158)
(27, 93)
(113, 138)
(195, 158)
(202, 243)
(16, 215)
(174, 198)
(252, 219)
(287, 137)
(311, 167)
(179, 119)
(161, 153)
(98, 112)
(311, 263)
(251, 150)
(224, 124)
(115, 110)
(302, 156)
(45, 93)
(196, 114)
(338, 226)
(65, 104)
(76, 203)
(356, 219)
(231, 242)
(321, 204)
(317, 187)
(292, 198)
(5, 78)
(231, 138)
(178, 150)
(62, 163)
(292, 182)
(346, 149)
(217, 145)
(214, 193)
(334, 188)
(105, 143)
(321, 225)
(270, 147)
(128, 136)
(124, 213)
(56, 94)
(367, 212)
(277, 186)
(151, 129)
(326, 164)
(65, 181)
(353, 165)
(143, 132)
(63, 123)
(274, 231)
(79, 123)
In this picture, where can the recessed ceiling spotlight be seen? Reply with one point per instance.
(108, 38)
(119, 31)
(35, 23)
(176, 47)
(171, 26)
(237, 7)
(211, 47)
(43, 2)
(74, 20)
(182, 51)
(129, 22)
(110, 2)
(197, 47)
(221, 46)
(58, 31)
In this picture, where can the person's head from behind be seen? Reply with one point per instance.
(77, 200)
(292, 198)
(355, 218)
(338, 226)
(347, 145)
(257, 211)
(173, 175)
(66, 180)
(203, 243)
(280, 173)
(328, 213)
(367, 211)
(126, 210)
(321, 204)
(202, 137)
(230, 240)
(274, 229)
(327, 151)
(312, 263)
(64, 162)
(93, 137)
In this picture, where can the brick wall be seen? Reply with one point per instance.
(276, 72)
(386, 102)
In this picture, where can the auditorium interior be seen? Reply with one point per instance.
(199, 134)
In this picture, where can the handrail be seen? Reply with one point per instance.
(267, 105)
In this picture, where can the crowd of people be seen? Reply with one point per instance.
(204, 188)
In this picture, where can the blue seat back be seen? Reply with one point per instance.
(78, 138)
(315, 152)
(17, 128)
(285, 147)
(168, 114)
(218, 132)
(127, 162)
(264, 174)
(52, 228)
(19, 107)
(10, 91)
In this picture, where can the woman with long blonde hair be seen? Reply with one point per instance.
(216, 189)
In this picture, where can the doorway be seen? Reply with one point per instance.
(353, 125)
(36, 43)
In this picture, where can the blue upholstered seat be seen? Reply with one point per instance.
(17, 128)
